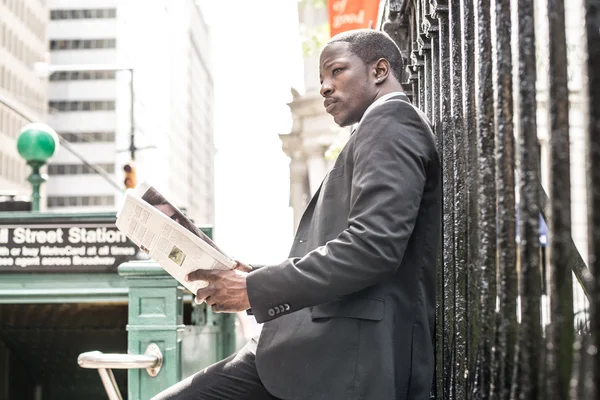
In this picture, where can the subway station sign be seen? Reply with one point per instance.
(64, 247)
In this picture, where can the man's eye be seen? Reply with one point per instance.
(337, 71)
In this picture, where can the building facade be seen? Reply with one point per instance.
(314, 139)
(97, 47)
(22, 43)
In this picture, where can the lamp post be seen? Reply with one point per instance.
(37, 143)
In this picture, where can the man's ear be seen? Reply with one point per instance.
(381, 70)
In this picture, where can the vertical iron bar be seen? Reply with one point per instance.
(424, 49)
(472, 182)
(487, 198)
(422, 83)
(427, 79)
(419, 53)
(413, 80)
(417, 59)
(435, 74)
(412, 56)
(592, 21)
(429, 38)
(559, 334)
(582, 369)
(440, 11)
(530, 331)
(505, 172)
(415, 55)
(425, 52)
(460, 202)
(431, 29)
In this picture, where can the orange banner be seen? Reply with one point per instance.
(345, 15)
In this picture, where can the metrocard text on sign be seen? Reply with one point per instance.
(64, 248)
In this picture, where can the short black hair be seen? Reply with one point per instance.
(371, 45)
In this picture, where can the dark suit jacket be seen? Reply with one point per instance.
(350, 315)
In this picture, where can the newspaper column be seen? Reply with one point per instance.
(155, 316)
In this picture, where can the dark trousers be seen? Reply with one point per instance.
(234, 378)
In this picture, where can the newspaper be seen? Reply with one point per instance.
(169, 237)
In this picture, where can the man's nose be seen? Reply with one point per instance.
(326, 88)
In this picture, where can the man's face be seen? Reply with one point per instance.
(346, 84)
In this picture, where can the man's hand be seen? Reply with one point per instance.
(240, 266)
(226, 290)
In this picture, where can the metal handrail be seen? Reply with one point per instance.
(151, 360)
(97, 359)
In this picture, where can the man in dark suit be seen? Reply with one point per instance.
(350, 314)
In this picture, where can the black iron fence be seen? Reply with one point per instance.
(507, 323)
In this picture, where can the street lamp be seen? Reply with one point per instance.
(37, 143)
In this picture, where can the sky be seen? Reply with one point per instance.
(256, 58)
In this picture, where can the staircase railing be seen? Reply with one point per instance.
(151, 360)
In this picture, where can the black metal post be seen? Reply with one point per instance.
(459, 160)
(430, 27)
(483, 351)
(472, 184)
(425, 50)
(446, 137)
(505, 176)
(487, 198)
(530, 332)
(560, 332)
(592, 22)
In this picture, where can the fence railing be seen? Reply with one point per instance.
(507, 324)
(151, 360)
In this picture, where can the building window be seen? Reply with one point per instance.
(12, 168)
(88, 137)
(75, 201)
(96, 13)
(82, 75)
(77, 169)
(78, 44)
(105, 105)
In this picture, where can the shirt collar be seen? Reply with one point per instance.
(379, 102)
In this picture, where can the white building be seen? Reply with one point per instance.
(313, 133)
(22, 43)
(166, 44)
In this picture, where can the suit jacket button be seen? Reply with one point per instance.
(271, 312)
(281, 308)
(286, 307)
(276, 308)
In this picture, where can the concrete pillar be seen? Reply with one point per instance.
(299, 193)
(317, 167)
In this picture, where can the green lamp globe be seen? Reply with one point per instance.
(37, 142)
